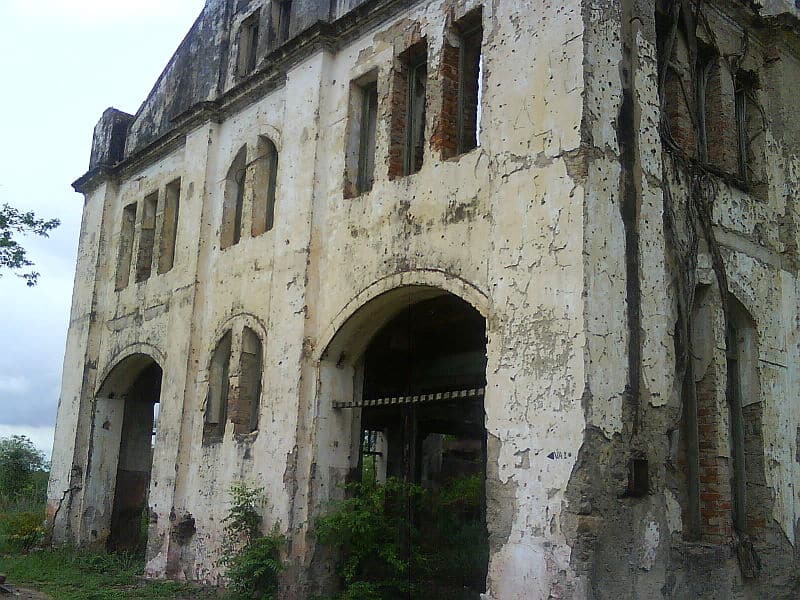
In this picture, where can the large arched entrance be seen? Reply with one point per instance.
(128, 405)
(414, 412)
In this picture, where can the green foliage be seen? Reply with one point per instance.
(395, 538)
(21, 531)
(23, 474)
(12, 254)
(252, 560)
(69, 574)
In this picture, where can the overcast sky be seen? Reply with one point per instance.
(62, 63)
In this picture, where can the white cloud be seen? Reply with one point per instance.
(103, 12)
(13, 385)
(42, 437)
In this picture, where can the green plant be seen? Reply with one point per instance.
(393, 538)
(75, 574)
(251, 559)
(23, 470)
(21, 531)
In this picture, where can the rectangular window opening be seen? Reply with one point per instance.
(248, 44)
(147, 237)
(469, 81)
(125, 246)
(407, 143)
(366, 145)
(750, 133)
(280, 17)
(360, 157)
(461, 71)
(638, 478)
(169, 226)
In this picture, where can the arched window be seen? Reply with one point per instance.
(264, 180)
(677, 93)
(218, 378)
(233, 201)
(234, 383)
(719, 114)
(245, 417)
(723, 449)
(743, 391)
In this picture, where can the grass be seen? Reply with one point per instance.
(70, 574)
(74, 574)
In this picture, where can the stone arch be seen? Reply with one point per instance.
(122, 446)
(357, 398)
(111, 375)
(345, 326)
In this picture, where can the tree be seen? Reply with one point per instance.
(20, 462)
(12, 255)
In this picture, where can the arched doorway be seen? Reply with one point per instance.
(414, 412)
(128, 404)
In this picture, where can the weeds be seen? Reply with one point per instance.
(396, 538)
(252, 560)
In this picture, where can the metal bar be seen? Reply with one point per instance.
(465, 394)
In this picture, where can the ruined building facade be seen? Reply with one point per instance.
(552, 246)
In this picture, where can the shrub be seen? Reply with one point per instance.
(397, 538)
(22, 531)
(252, 560)
(23, 475)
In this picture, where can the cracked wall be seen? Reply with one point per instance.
(553, 228)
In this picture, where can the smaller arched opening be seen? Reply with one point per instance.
(234, 383)
(233, 201)
(123, 445)
(401, 405)
(264, 182)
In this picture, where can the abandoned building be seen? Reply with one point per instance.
(549, 246)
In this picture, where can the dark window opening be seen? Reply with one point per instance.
(360, 157)
(638, 478)
(458, 126)
(125, 255)
(169, 226)
(751, 135)
(407, 143)
(248, 44)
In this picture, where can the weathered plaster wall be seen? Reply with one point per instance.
(553, 229)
